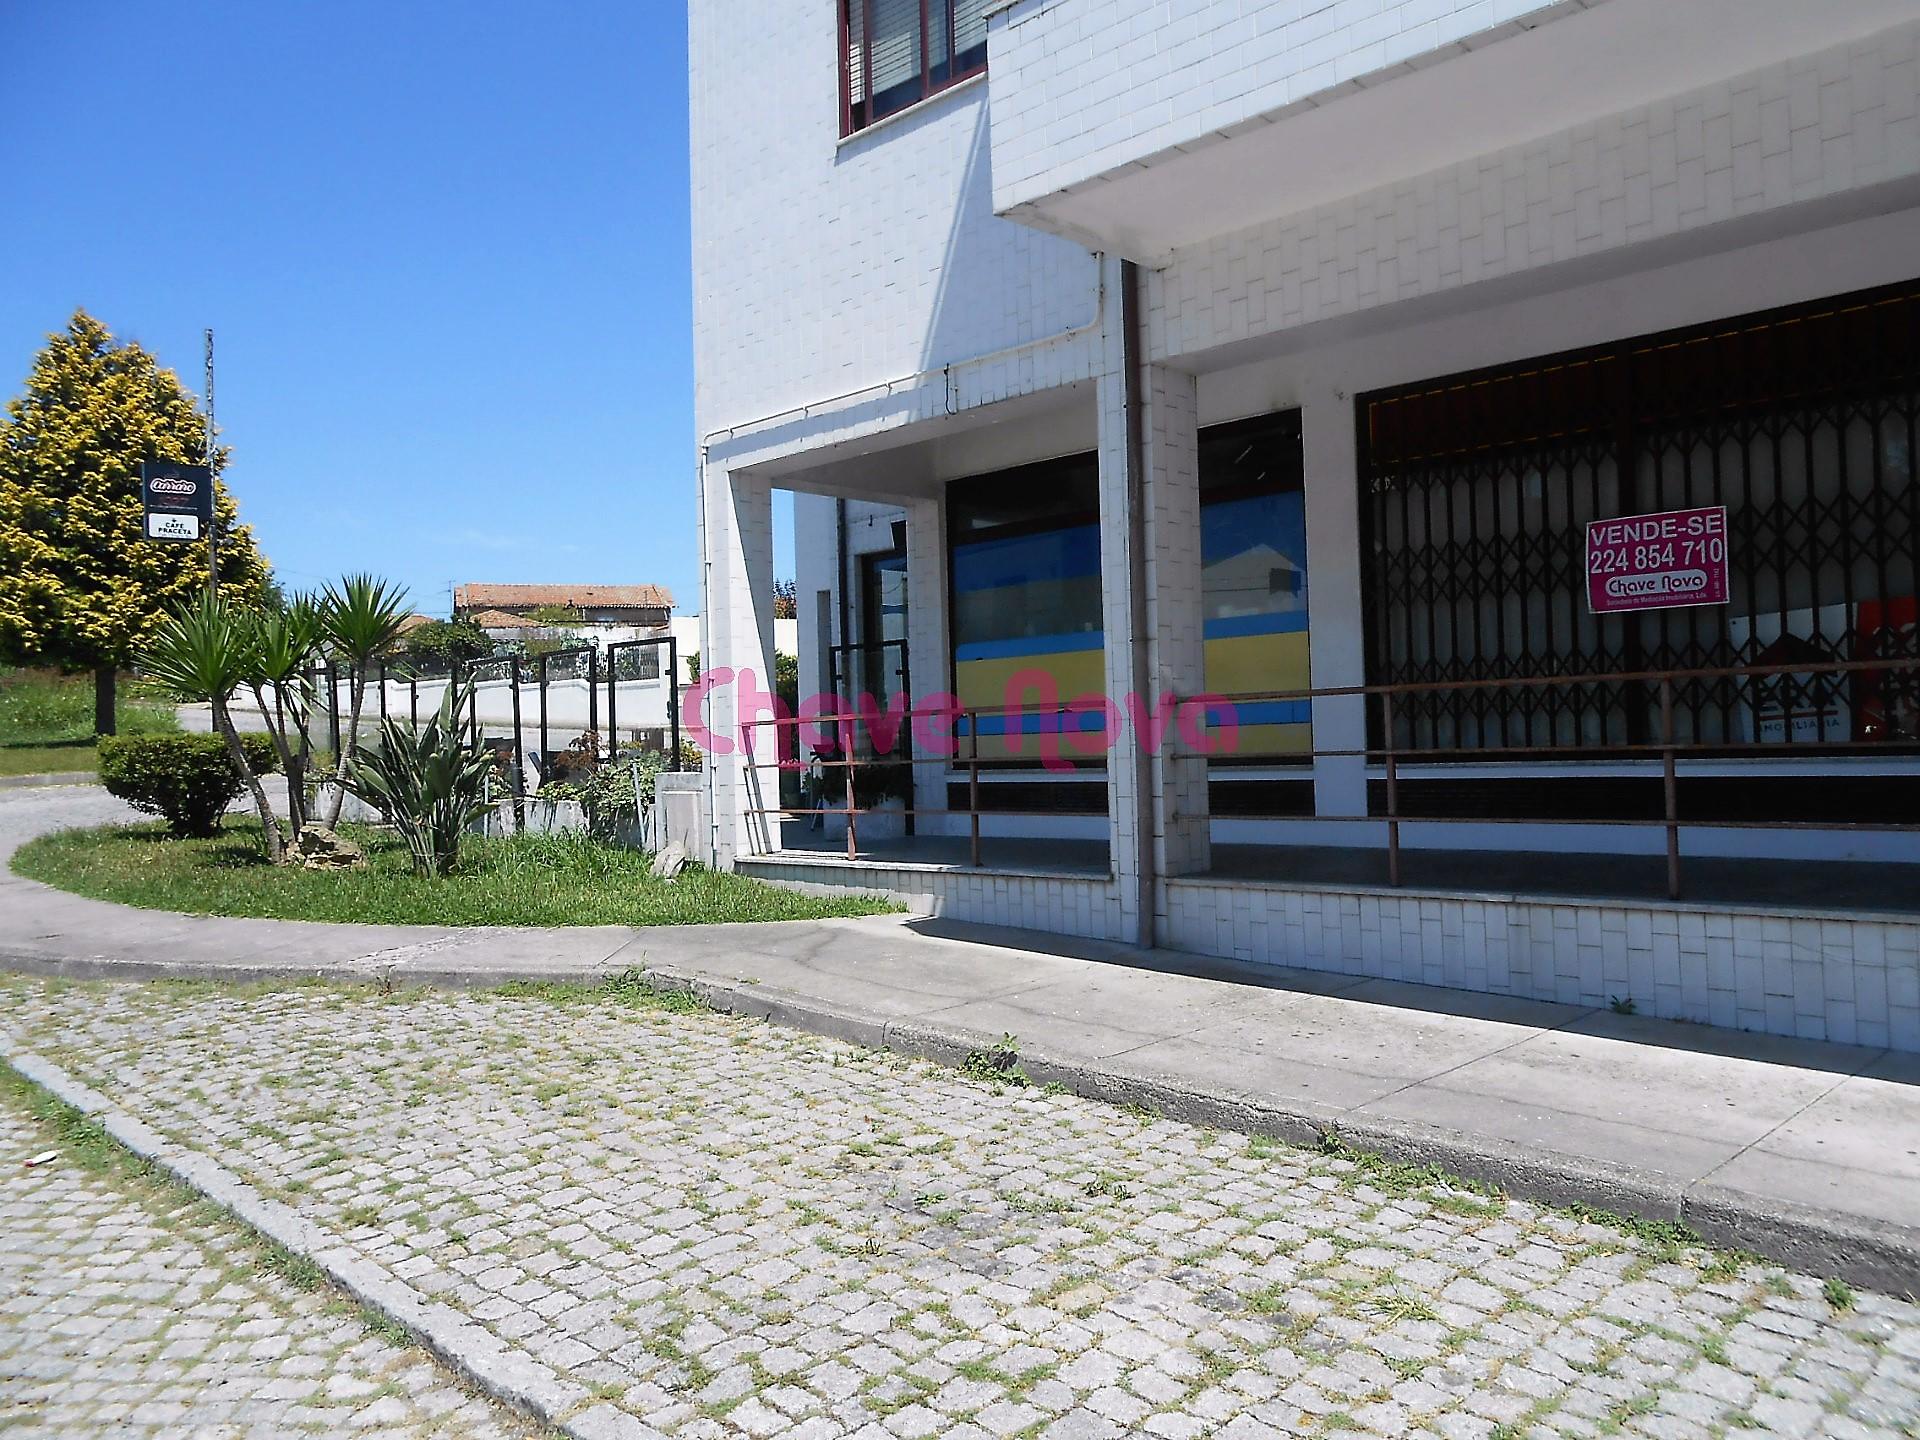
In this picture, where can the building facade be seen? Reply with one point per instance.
(1210, 398)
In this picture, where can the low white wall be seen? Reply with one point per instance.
(677, 816)
(1087, 906)
(1854, 980)
(1850, 979)
(641, 704)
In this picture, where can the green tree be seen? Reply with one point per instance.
(205, 650)
(81, 587)
(448, 641)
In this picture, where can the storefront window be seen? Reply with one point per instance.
(1477, 491)
(1025, 568)
(1025, 572)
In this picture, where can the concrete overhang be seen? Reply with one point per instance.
(1529, 78)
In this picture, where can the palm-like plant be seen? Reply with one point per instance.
(204, 652)
(360, 618)
(429, 782)
(285, 639)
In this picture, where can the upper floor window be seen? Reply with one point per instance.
(895, 53)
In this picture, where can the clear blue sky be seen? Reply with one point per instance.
(443, 245)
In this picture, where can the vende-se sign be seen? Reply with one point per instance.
(1656, 562)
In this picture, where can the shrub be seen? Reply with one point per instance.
(429, 782)
(611, 795)
(188, 780)
(448, 642)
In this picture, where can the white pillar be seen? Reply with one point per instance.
(1128, 821)
(1157, 812)
(1337, 641)
(927, 659)
(1176, 614)
(738, 628)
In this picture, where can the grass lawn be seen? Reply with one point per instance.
(46, 720)
(71, 756)
(521, 880)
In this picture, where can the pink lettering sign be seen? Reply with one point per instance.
(1657, 562)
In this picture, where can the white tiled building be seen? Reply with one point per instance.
(1096, 336)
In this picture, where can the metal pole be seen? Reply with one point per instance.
(1671, 786)
(846, 761)
(383, 691)
(906, 730)
(333, 709)
(593, 704)
(1393, 790)
(213, 522)
(545, 763)
(673, 697)
(519, 766)
(613, 702)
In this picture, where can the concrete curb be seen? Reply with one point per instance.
(108, 967)
(46, 778)
(505, 1373)
(1813, 1241)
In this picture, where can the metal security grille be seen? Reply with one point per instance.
(1476, 492)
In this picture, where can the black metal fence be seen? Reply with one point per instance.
(596, 675)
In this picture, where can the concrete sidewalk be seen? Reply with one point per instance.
(1804, 1152)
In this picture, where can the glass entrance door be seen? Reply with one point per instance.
(883, 626)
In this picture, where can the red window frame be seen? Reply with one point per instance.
(856, 112)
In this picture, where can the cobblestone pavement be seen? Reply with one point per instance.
(726, 1229)
(127, 1310)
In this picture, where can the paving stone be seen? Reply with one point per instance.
(718, 1228)
(157, 1356)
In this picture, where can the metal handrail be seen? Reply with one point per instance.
(1669, 750)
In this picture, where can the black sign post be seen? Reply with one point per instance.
(179, 500)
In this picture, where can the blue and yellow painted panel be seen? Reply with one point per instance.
(1027, 610)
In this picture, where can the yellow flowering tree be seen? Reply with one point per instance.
(81, 587)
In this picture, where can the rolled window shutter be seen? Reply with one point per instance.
(970, 30)
(896, 43)
(856, 11)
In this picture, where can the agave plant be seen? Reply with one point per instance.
(285, 639)
(429, 782)
(360, 618)
(204, 651)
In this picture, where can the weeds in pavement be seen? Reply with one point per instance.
(632, 989)
(999, 1064)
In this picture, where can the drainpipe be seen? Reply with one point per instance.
(1132, 352)
(710, 768)
(840, 590)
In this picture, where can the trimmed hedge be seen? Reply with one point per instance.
(188, 780)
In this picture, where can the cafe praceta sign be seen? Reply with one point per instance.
(178, 500)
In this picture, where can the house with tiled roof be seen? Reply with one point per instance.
(641, 606)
